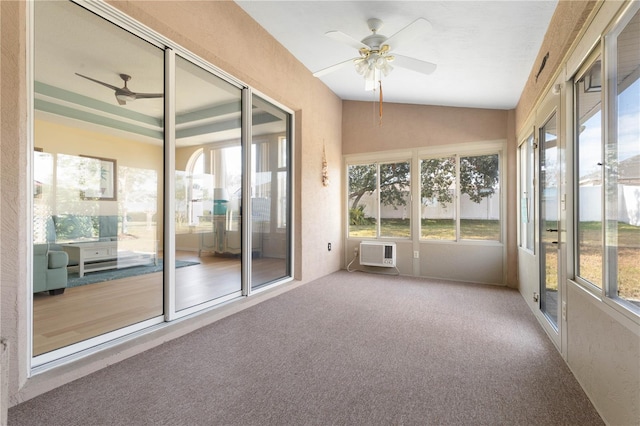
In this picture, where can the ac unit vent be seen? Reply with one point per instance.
(377, 253)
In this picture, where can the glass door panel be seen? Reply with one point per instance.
(98, 173)
(549, 220)
(208, 153)
(270, 194)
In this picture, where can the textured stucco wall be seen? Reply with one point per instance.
(566, 23)
(224, 35)
(415, 126)
(13, 174)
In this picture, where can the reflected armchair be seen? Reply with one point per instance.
(49, 269)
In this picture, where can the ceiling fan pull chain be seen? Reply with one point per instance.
(380, 121)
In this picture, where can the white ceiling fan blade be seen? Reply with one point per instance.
(413, 64)
(412, 31)
(341, 37)
(332, 68)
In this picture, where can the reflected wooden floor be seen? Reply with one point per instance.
(91, 310)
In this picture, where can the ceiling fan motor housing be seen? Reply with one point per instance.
(374, 41)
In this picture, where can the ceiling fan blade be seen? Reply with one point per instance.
(332, 68)
(341, 37)
(99, 82)
(148, 95)
(412, 31)
(413, 64)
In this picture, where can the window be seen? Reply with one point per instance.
(608, 167)
(469, 185)
(622, 164)
(380, 190)
(438, 193)
(588, 101)
(527, 201)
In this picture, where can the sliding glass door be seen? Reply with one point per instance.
(148, 191)
(208, 219)
(270, 193)
(97, 181)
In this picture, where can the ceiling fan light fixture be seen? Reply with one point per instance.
(123, 97)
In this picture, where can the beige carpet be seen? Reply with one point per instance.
(347, 349)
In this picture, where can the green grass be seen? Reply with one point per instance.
(628, 245)
(437, 229)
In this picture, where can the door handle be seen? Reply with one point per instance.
(552, 230)
(554, 242)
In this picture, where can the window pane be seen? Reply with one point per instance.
(270, 194)
(208, 185)
(437, 192)
(98, 172)
(395, 210)
(589, 172)
(363, 200)
(480, 197)
(527, 195)
(623, 170)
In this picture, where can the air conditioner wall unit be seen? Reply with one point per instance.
(378, 253)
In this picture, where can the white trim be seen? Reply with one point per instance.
(247, 144)
(86, 347)
(169, 192)
(30, 91)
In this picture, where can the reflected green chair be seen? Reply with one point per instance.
(49, 269)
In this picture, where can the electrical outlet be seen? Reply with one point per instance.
(416, 254)
(536, 297)
(329, 246)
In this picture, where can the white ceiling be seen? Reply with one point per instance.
(484, 50)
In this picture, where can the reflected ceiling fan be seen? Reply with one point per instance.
(123, 94)
(375, 52)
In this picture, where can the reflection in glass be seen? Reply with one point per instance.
(589, 175)
(270, 194)
(98, 168)
(623, 170)
(208, 187)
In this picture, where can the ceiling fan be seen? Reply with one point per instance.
(123, 94)
(375, 52)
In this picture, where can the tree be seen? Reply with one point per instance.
(394, 183)
(479, 177)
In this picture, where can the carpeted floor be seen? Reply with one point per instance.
(115, 274)
(347, 349)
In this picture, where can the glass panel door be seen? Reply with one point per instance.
(208, 186)
(270, 194)
(549, 174)
(98, 173)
